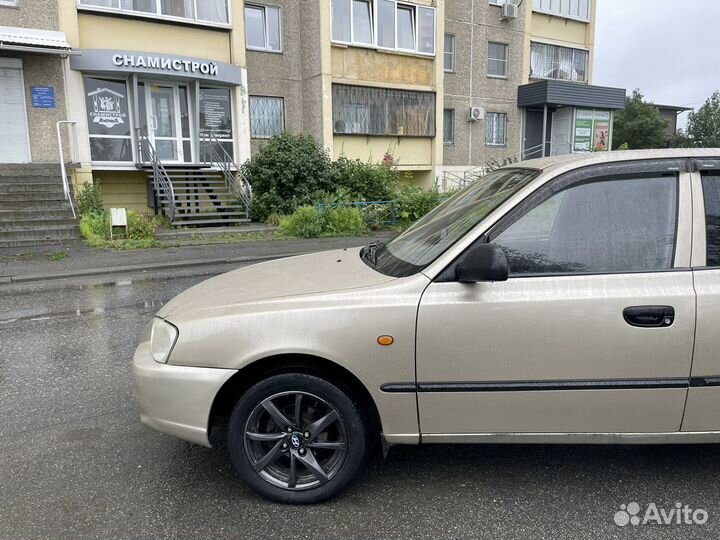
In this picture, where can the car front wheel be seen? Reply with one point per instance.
(296, 438)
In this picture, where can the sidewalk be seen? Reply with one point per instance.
(35, 264)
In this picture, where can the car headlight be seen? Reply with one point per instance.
(163, 336)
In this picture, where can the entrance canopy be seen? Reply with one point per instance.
(33, 40)
(564, 93)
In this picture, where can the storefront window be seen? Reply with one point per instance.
(109, 127)
(216, 117)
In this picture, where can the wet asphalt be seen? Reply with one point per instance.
(76, 463)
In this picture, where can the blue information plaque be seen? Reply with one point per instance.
(43, 97)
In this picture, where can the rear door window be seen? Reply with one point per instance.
(711, 193)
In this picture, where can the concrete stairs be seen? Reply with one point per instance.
(33, 209)
(201, 197)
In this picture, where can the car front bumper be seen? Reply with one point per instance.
(176, 399)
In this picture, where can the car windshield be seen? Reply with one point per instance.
(429, 237)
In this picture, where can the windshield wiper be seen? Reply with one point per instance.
(370, 252)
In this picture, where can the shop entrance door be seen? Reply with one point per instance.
(168, 123)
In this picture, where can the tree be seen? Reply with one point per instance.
(704, 125)
(640, 125)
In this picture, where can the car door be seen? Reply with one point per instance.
(592, 332)
(702, 412)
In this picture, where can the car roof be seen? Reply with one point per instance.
(548, 164)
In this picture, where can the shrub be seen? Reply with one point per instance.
(413, 202)
(95, 228)
(286, 173)
(89, 200)
(305, 222)
(365, 181)
(343, 221)
(309, 222)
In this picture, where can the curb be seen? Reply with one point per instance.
(90, 272)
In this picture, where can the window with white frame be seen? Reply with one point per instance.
(108, 116)
(449, 53)
(364, 110)
(203, 11)
(263, 28)
(387, 24)
(497, 59)
(496, 129)
(267, 116)
(449, 126)
(571, 9)
(560, 63)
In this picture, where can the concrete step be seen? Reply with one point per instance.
(29, 169)
(60, 232)
(34, 242)
(36, 224)
(39, 206)
(23, 215)
(34, 187)
(31, 196)
(30, 179)
(212, 220)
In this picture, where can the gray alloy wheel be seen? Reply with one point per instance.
(296, 438)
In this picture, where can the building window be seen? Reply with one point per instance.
(106, 102)
(560, 63)
(400, 26)
(449, 53)
(496, 129)
(362, 110)
(11, 3)
(571, 9)
(216, 117)
(497, 59)
(204, 11)
(449, 126)
(262, 28)
(266, 116)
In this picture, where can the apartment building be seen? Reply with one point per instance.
(32, 84)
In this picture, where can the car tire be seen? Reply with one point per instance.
(296, 457)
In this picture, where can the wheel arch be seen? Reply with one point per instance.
(240, 382)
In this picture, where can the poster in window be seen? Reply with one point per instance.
(601, 131)
(583, 130)
(107, 107)
(215, 113)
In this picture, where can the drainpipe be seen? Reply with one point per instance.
(544, 136)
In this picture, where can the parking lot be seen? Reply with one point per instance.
(77, 463)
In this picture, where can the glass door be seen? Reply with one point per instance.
(169, 121)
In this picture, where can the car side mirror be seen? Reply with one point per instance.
(483, 262)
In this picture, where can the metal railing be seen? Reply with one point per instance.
(460, 180)
(63, 168)
(215, 155)
(162, 185)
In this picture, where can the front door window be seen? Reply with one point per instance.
(168, 121)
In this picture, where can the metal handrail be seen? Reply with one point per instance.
(161, 180)
(63, 169)
(220, 158)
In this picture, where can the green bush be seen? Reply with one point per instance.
(343, 221)
(286, 173)
(305, 222)
(95, 229)
(365, 181)
(89, 200)
(309, 222)
(413, 202)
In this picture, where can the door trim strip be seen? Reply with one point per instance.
(525, 386)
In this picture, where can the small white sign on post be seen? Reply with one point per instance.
(118, 218)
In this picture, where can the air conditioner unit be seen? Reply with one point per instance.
(509, 11)
(476, 113)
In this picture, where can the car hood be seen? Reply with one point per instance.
(323, 272)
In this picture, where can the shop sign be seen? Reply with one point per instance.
(163, 63)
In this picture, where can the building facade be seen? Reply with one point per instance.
(33, 96)
(155, 78)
